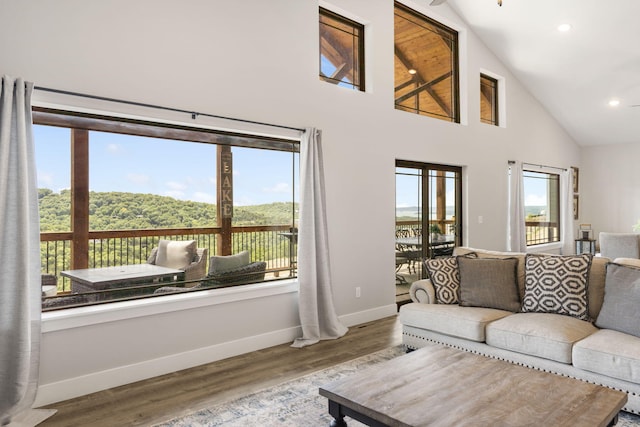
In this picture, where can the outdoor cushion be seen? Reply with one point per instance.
(550, 336)
(609, 353)
(175, 254)
(621, 300)
(490, 283)
(222, 263)
(463, 322)
(557, 284)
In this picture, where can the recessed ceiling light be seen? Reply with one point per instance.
(614, 103)
(563, 28)
(412, 71)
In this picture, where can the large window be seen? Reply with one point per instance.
(341, 50)
(426, 66)
(110, 190)
(542, 207)
(488, 100)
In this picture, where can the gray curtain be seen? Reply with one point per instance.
(567, 224)
(20, 290)
(516, 229)
(317, 314)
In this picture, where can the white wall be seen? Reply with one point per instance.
(610, 187)
(258, 60)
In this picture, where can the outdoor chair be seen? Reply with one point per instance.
(227, 270)
(182, 255)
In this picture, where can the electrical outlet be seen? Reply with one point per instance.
(480, 219)
(358, 292)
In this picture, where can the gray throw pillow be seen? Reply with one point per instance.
(490, 283)
(621, 300)
(222, 263)
(557, 284)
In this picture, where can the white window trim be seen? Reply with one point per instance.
(77, 317)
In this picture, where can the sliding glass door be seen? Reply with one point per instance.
(428, 215)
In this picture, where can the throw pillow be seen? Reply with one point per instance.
(445, 278)
(557, 284)
(621, 300)
(490, 283)
(174, 254)
(222, 263)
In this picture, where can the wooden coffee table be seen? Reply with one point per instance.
(441, 386)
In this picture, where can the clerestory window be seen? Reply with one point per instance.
(341, 51)
(111, 189)
(488, 100)
(426, 66)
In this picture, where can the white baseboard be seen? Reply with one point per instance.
(97, 381)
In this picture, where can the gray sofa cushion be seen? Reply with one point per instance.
(550, 336)
(609, 353)
(557, 284)
(490, 283)
(463, 322)
(621, 300)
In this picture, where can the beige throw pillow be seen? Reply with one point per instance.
(174, 254)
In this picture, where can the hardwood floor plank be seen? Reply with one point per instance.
(161, 398)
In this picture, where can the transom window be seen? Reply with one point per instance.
(542, 207)
(426, 66)
(341, 50)
(111, 189)
(488, 100)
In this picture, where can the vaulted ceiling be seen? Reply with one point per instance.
(574, 74)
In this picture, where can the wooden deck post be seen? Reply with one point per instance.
(80, 198)
(224, 180)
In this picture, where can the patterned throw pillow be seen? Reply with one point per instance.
(445, 278)
(557, 284)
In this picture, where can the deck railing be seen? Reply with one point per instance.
(124, 247)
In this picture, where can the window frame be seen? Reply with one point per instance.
(454, 36)
(538, 242)
(493, 87)
(81, 123)
(359, 59)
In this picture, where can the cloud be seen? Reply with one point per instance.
(138, 178)
(114, 148)
(200, 196)
(535, 200)
(45, 180)
(281, 187)
(176, 186)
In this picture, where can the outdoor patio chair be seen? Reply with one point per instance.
(227, 270)
(182, 255)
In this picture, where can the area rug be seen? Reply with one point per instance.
(296, 403)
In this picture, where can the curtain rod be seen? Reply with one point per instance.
(194, 114)
(540, 166)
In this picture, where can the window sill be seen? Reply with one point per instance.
(545, 247)
(96, 314)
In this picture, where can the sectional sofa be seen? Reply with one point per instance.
(576, 316)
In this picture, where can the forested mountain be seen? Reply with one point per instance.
(126, 211)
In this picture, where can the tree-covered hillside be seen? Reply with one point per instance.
(126, 211)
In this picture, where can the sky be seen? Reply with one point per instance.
(182, 170)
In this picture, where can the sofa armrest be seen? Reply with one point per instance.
(422, 291)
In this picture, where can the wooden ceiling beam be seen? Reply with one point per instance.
(424, 85)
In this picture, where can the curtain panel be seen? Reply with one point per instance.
(315, 300)
(20, 290)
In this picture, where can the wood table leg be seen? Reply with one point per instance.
(335, 409)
